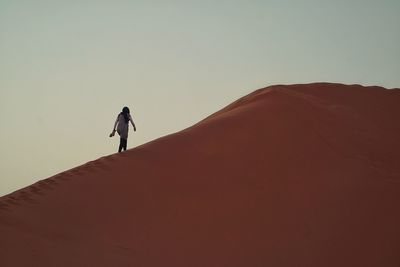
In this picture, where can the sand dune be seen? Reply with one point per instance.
(299, 175)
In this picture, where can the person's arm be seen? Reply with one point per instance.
(115, 126)
(133, 124)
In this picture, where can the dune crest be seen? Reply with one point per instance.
(289, 175)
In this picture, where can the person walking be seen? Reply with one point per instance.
(121, 126)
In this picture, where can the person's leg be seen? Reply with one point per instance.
(125, 144)
(121, 144)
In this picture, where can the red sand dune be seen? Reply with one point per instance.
(300, 175)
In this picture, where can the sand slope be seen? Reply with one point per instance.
(300, 175)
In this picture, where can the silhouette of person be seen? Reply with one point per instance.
(121, 125)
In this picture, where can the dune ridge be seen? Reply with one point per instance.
(289, 175)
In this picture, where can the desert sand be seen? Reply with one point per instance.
(289, 175)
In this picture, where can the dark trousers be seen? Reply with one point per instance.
(122, 144)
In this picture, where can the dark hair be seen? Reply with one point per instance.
(125, 112)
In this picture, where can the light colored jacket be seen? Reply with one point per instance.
(122, 126)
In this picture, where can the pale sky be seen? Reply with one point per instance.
(68, 67)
